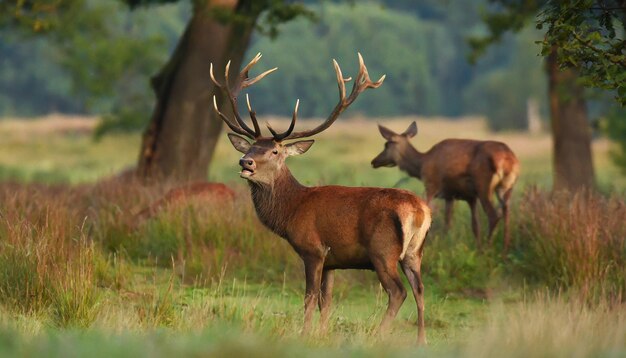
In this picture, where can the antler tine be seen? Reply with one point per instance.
(232, 97)
(361, 83)
(253, 62)
(230, 125)
(255, 123)
(213, 76)
(241, 129)
(340, 81)
(247, 82)
(231, 93)
(366, 77)
(294, 118)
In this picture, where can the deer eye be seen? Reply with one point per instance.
(275, 151)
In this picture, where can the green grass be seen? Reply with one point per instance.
(79, 277)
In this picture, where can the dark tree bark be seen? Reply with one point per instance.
(571, 132)
(179, 142)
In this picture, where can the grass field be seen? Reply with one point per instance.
(79, 277)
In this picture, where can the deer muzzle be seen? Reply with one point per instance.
(382, 161)
(247, 167)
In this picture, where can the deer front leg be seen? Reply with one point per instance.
(313, 272)
(328, 279)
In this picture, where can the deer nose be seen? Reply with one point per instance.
(246, 162)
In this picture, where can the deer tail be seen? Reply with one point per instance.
(415, 229)
(506, 170)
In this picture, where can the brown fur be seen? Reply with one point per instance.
(336, 227)
(457, 169)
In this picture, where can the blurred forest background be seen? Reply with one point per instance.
(451, 59)
(90, 65)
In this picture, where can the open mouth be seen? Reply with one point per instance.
(378, 165)
(246, 173)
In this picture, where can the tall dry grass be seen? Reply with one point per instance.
(90, 231)
(202, 239)
(46, 258)
(551, 326)
(574, 241)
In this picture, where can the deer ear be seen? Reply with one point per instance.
(299, 147)
(411, 131)
(387, 133)
(239, 142)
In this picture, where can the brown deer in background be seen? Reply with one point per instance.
(457, 169)
(330, 227)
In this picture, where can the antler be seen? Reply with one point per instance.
(243, 81)
(362, 83)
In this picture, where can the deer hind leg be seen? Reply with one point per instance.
(504, 203)
(313, 271)
(448, 216)
(475, 222)
(387, 271)
(411, 265)
(328, 279)
(485, 192)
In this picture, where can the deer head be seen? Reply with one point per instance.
(264, 158)
(395, 147)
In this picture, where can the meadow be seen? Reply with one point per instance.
(80, 276)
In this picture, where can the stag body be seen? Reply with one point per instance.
(457, 169)
(333, 227)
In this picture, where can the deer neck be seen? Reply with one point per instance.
(275, 203)
(411, 161)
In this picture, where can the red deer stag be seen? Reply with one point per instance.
(330, 227)
(457, 169)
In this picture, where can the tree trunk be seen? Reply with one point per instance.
(183, 132)
(573, 164)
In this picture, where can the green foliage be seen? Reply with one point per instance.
(90, 64)
(503, 90)
(99, 48)
(32, 15)
(615, 128)
(422, 51)
(500, 18)
(405, 52)
(32, 82)
(457, 266)
(590, 36)
(277, 12)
